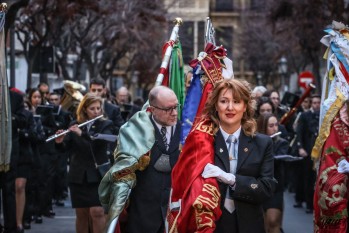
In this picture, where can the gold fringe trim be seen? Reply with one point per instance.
(331, 74)
(128, 174)
(329, 220)
(326, 125)
(143, 161)
(326, 54)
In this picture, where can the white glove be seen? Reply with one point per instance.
(214, 171)
(343, 166)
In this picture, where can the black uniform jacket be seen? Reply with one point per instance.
(149, 199)
(82, 148)
(255, 181)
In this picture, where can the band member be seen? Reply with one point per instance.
(97, 86)
(86, 155)
(268, 124)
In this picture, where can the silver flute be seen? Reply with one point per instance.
(275, 134)
(67, 131)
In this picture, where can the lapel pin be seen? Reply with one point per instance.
(254, 186)
(220, 150)
(245, 149)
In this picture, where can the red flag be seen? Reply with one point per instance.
(198, 198)
(331, 191)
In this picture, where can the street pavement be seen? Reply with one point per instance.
(295, 219)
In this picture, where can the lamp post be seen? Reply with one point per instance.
(282, 70)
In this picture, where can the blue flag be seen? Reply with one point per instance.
(191, 105)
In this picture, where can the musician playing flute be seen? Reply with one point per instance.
(86, 153)
(273, 208)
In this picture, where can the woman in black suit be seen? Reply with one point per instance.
(243, 165)
(273, 207)
(83, 177)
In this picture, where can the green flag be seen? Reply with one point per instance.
(177, 82)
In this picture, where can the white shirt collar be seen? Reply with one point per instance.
(226, 135)
(168, 128)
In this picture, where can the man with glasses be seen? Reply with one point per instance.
(149, 198)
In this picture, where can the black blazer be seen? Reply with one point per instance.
(113, 113)
(82, 165)
(307, 130)
(255, 181)
(149, 199)
(280, 147)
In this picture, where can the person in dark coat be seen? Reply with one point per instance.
(149, 199)
(123, 100)
(27, 136)
(273, 207)
(86, 154)
(7, 179)
(307, 132)
(225, 168)
(98, 87)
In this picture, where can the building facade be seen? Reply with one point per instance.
(226, 17)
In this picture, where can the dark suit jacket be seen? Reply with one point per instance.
(128, 110)
(307, 130)
(254, 178)
(18, 122)
(149, 199)
(280, 147)
(82, 165)
(113, 113)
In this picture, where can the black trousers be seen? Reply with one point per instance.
(228, 223)
(7, 186)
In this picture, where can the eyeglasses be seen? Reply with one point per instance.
(169, 109)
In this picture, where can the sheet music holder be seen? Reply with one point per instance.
(56, 110)
(44, 110)
(106, 137)
(287, 158)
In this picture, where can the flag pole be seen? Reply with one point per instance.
(5, 107)
(164, 64)
(163, 69)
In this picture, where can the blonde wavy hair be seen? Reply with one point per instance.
(89, 98)
(241, 91)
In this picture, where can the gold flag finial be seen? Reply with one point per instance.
(3, 7)
(178, 21)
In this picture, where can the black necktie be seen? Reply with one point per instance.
(163, 134)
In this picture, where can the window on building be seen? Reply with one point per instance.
(186, 36)
(224, 36)
(224, 5)
(257, 5)
(201, 36)
(186, 3)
